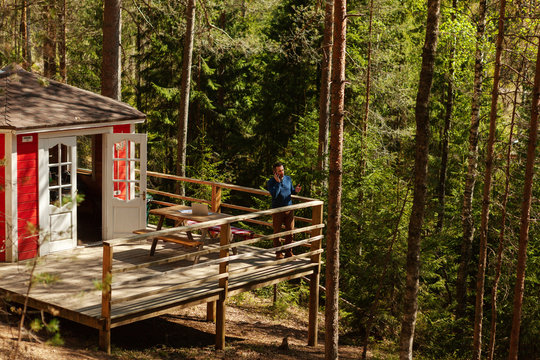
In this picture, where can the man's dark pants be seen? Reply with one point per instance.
(287, 219)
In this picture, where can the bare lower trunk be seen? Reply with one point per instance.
(500, 249)
(472, 160)
(375, 304)
(111, 66)
(479, 305)
(335, 179)
(187, 58)
(525, 215)
(449, 109)
(416, 221)
(49, 44)
(62, 43)
(324, 97)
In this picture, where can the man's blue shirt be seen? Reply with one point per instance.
(281, 191)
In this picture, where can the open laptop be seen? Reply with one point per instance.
(198, 209)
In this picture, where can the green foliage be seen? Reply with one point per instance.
(52, 328)
(45, 278)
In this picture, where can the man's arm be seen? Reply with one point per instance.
(273, 187)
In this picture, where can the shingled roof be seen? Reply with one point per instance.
(29, 101)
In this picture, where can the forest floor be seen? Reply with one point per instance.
(255, 330)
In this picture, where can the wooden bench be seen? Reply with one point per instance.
(187, 240)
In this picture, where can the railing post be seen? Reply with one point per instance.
(106, 279)
(317, 218)
(215, 207)
(225, 239)
(216, 198)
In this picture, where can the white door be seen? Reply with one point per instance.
(57, 194)
(124, 184)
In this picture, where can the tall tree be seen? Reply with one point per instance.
(504, 213)
(416, 221)
(449, 108)
(49, 43)
(324, 97)
(525, 215)
(335, 179)
(185, 91)
(479, 305)
(111, 72)
(25, 34)
(472, 163)
(62, 43)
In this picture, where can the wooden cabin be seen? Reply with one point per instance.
(46, 129)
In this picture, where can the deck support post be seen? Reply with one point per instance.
(211, 311)
(106, 278)
(317, 218)
(215, 207)
(224, 239)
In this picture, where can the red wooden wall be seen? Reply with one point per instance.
(27, 195)
(3, 198)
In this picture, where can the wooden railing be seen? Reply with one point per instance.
(313, 231)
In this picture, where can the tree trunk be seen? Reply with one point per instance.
(470, 181)
(449, 108)
(500, 249)
(324, 96)
(416, 220)
(368, 91)
(184, 92)
(335, 179)
(49, 43)
(525, 215)
(375, 303)
(24, 33)
(111, 72)
(62, 44)
(479, 311)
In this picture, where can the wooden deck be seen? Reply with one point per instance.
(140, 292)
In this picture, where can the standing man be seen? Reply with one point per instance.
(281, 188)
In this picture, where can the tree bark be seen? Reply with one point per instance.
(368, 94)
(416, 220)
(525, 215)
(187, 59)
(479, 308)
(62, 44)
(24, 33)
(500, 248)
(324, 96)
(335, 179)
(49, 43)
(111, 72)
(375, 303)
(472, 160)
(449, 108)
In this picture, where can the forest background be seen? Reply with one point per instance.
(255, 85)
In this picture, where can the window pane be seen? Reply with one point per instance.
(53, 197)
(66, 195)
(53, 155)
(53, 176)
(66, 174)
(65, 153)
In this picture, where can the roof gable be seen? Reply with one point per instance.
(30, 101)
